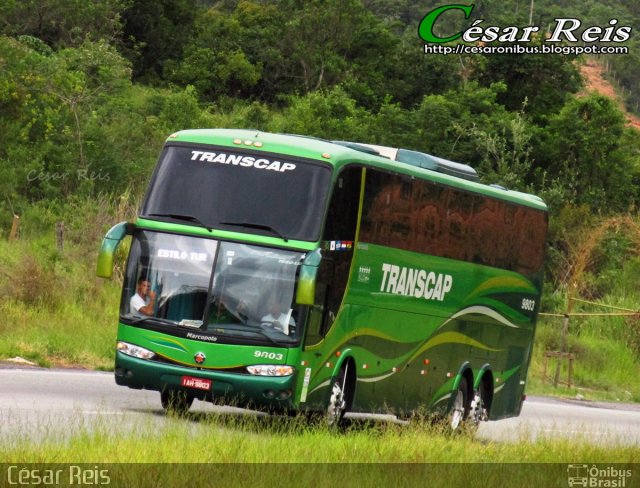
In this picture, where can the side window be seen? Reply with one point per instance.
(459, 218)
(376, 209)
(342, 216)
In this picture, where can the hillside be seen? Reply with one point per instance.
(593, 73)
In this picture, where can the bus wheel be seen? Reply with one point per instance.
(478, 408)
(338, 398)
(176, 402)
(460, 407)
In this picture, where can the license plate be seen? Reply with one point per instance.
(197, 383)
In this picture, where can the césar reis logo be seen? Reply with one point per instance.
(564, 30)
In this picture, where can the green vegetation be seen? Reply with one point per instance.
(264, 439)
(89, 94)
(57, 313)
(605, 366)
(274, 449)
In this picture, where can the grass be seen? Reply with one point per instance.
(291, 448)
(605, 366)
(69, 335)
(55, 311)
(233, 438)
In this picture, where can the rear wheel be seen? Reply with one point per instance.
(176, 402)
(460, 408)
(478, 410)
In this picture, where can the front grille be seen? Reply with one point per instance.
(236, 370)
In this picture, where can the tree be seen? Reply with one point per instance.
(448, 125)
(351, 44)
(587, 148)
(62, 23)
(214, 60)
(327, 114)
(48, 102)
(154, 32)
(544, 83)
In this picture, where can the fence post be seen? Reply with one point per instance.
(60, 236)
(563, 348)
(15, 227)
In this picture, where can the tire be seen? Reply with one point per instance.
(460, 407)
(478, 411)
(339, 398)
(176, 402)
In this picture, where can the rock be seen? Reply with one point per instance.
(19, 360)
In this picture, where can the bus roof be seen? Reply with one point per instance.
(339, 154)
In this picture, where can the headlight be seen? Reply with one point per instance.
(135, 351)
(270, 370)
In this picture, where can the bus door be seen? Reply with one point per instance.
(333, 272)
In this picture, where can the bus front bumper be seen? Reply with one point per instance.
(229, 388)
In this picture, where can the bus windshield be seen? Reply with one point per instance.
(242, 192)
(236, 292)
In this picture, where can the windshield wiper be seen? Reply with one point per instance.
(153, 319)
(253, 329)
(250, 225)
(188, 218)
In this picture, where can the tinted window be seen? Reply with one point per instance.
(424, 217)
(342, 216)
(245, 192)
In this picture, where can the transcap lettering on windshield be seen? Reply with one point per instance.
(416, 283)
(239, 160)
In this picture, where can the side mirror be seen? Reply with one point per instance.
(306, 292)
(108, 248)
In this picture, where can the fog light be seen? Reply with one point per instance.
(284, 394)
(269, 394)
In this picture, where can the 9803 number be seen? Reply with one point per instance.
(528, 304)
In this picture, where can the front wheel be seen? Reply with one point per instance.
(176, 402)
(339, 398)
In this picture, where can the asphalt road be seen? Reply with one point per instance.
(37, 402)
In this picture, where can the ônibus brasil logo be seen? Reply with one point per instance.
(565, 30)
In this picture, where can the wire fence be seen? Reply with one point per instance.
(564, 354)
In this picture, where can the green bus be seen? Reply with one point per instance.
(294, 274)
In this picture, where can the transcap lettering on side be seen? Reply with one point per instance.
(240, 160)
(417, 283)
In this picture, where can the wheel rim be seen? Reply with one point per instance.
(457, 413)
(337, 403)
(479, 411)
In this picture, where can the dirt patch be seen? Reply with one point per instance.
(593, 73)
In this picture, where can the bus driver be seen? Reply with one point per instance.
(276, 317)
(144, 300)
